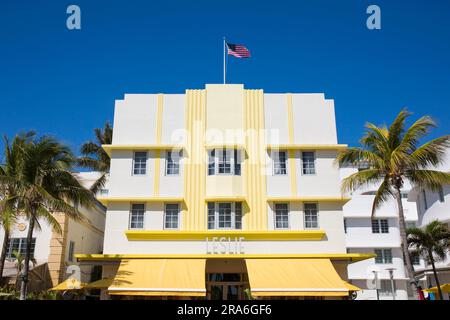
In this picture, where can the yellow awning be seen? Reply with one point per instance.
(99, 284)
(351, 287)
(294, 277)
(69, 284)
(445, 288)
(160, 277)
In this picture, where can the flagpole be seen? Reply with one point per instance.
(224, 61)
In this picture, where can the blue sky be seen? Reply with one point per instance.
(64, 83)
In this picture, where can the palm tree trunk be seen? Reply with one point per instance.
(26, 267)
(3, 255)
(404, 241)
(430, 255)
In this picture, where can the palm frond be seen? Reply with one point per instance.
(44, 214)
(376, 139)
(430, 179)
(383, 193)
(95, 164)
(90, 148)
(431, 153)
(355, 156)
(99, 184)
(415, 132)
(361, 178)
(397, 128)
(434, 238)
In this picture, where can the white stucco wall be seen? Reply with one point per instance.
(123, 182)
(314, 119)
(276, 118)
(172, 130)
(135, 119)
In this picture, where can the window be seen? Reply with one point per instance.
(237, 162)
(19, 245)
(345, 225)
(140, 163)
(71, 251)
(380, 226)
(311, 216)
(171, 216)
(224, 215)
(224, 161)
(137, 216)
(279, 163)
(425, 203)
(173, 163)
(211, 163)
(410, 224)
(441, 194)
(384, 256)
(238, 215)
(308, 163)
(415, 259)
(211, 215)
(281, 216)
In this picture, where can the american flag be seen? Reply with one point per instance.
(238, 50)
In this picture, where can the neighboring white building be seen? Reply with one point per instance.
(434, 206)
(380, 236)
(233, 185)
(54, 252)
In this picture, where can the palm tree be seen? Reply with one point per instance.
(394, 155)
(8, 203)
(94, 157)
(19, 263)
(44, 184)
(432, 242)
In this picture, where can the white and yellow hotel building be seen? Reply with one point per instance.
(223, 192)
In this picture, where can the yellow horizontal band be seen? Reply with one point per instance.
(106, 200)
(139, 147)
(224, 146)
(308, 199)
(291, 146)
(352, 257)
(305, 235)
(226, 198)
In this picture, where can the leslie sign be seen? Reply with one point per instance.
(225, 245)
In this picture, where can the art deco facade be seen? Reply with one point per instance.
(224, 189)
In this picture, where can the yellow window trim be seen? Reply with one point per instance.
(166, 235)
(137, 147)
(106, 200)
(292, 146)
(351, 257)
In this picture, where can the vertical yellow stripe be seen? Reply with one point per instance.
(194, 214)
(157, 172)
(255, 217)
(292, 167)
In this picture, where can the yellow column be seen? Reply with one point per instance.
(159, 116)
(255, 169)
(194, 213)
(292, 167)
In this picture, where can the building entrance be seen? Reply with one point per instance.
(226, 286)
